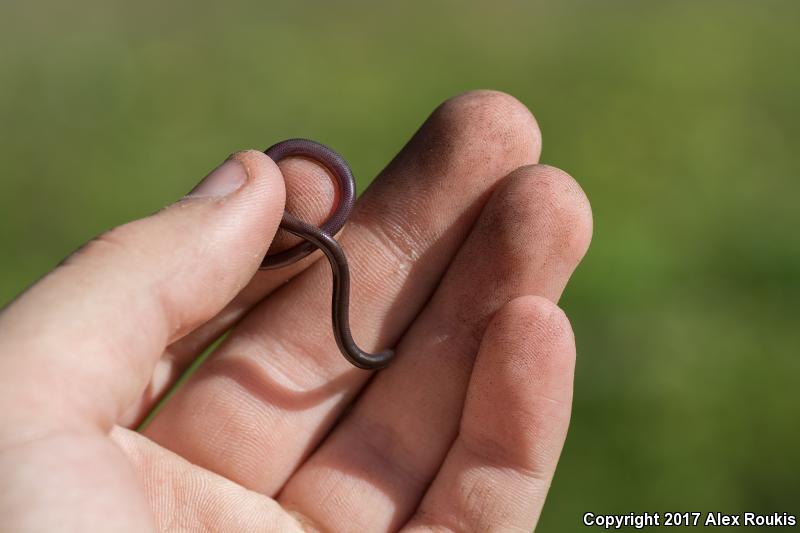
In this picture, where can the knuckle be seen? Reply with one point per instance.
(114, 241)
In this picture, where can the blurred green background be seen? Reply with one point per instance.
(681, 121)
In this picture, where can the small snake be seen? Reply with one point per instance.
(322, 238)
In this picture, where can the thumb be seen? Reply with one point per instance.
(81, 344)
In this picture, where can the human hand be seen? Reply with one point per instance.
(458, 250)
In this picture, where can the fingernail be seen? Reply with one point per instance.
(223, 180)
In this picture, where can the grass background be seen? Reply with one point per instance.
(680, 120)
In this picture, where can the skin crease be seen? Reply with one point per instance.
(278, 432)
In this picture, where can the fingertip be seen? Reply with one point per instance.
(492, 116)
(312, 194)
(529, 323)
(546, 198)
(263, 175)
(529, 348)
(525, 365)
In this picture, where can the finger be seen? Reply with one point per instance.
(278, 382)
(184, 497)
(377, 463)
(310, 194)
(88, 334)
(498, 471)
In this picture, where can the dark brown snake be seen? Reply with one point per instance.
(323, 238)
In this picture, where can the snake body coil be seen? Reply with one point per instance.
(323, 238)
